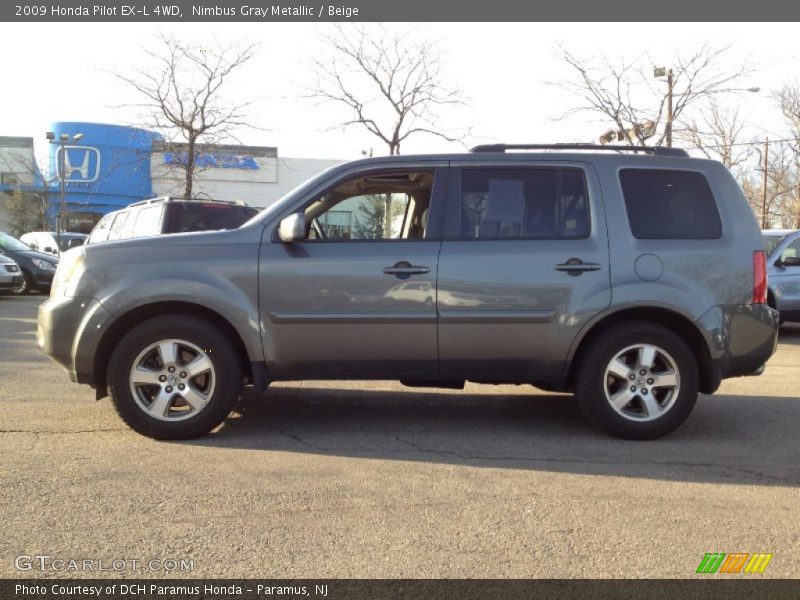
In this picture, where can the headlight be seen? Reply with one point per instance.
(44, 265)
(68, 271)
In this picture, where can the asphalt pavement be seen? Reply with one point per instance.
(354, 479)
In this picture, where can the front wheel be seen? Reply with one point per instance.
(174, 377)
(637, 381)
(25, 286)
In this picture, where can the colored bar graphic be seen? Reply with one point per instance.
(758, 563)
(733, 563)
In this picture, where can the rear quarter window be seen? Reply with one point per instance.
(665, 204)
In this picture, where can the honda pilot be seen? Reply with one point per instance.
(634, 278)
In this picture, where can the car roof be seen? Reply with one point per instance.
(778, 232)
(610, 158)
(54, 234)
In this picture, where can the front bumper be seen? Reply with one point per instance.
(10, 283)
(740, 338)
(42, 279)
(69, 331)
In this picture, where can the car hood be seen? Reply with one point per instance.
(35, 254)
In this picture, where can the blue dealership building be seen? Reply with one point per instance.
(107, 167)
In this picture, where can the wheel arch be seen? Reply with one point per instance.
(124, 322)
(670, 319)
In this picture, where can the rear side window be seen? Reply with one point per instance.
(148, 221)
(670, 205)
(524, 203)
(184, 216)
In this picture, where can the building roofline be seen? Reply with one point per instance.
(16, 142)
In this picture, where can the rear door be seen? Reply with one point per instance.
(524, 264)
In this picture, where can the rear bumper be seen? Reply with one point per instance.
(69, 331)
(740, 338)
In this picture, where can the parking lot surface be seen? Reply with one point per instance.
(354, 479)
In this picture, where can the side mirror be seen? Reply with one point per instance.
(75, 242)
(790, 261)
(293, 228)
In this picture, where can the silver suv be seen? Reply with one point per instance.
(634, 277)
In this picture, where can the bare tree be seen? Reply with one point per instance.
(788, 98)
(626, 93)
(778, 205)
(389, 84)
(182, 97)
(719, 135)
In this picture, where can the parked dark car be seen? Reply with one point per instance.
(37, 268)
(783, 267)
(164, 215)
(633, 277)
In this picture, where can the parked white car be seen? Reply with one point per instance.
(50, 242)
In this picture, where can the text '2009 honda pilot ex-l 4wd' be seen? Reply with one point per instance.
(634, 279)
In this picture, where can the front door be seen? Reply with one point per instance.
(357, 298)
(523, 266)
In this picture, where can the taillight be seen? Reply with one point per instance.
(759, 277)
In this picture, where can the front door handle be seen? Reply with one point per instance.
(404, 270)
(575, 266)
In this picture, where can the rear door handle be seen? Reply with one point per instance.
(575, 266)
(405, 269)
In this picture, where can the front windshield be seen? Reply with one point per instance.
(11, 244)
(771, 242)
(63, 243)
(301, 189)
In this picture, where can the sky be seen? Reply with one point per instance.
(60, 72)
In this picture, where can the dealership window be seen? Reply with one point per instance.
(665, 204)
(524, 203)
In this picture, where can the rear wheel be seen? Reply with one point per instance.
(174, 377)
(637, 381)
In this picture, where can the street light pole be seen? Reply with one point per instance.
(670, 83)
(61, 168)
(764, 220)
(62, 176)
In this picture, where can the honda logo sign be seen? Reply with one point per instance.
(81, 163)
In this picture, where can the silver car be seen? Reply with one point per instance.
(633, 277)
(782, 247)
(10, 275)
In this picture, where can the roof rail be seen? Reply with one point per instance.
(655, 150)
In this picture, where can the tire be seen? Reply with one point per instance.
(26, 286)
(615, 364)
(155, 407)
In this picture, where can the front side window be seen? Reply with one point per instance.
(792, 250)
(391, 206)
(664, 204)
(524, 203)
(100, 231)
(118, 226)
